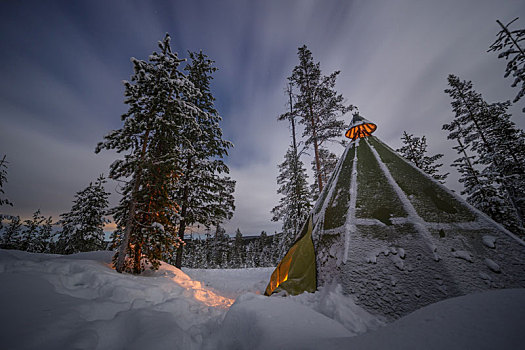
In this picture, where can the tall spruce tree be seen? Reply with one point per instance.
(295, 203)
(506, 158)
(83, 226)
(478, 187)
(204, 193)
(220, 248)
(239, 251)
(486, 129)
(414, 149)
(265, 258)
(253, 253)
(510, 46)
(158, 126)
(318, 105)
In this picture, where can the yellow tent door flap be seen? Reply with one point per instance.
(296, 273)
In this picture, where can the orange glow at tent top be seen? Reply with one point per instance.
(360, 127)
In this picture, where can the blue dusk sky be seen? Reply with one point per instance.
(62, 64)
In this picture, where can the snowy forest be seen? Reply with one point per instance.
(174, 176)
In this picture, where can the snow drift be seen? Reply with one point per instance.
(79, 302)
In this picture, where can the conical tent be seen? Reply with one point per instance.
(397, 240)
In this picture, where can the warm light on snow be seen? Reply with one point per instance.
(211, 299)
(202, 294)
(199, 292)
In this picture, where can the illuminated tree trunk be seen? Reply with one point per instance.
(123, 249)
(182, 224)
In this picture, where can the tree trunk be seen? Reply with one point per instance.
(182, 225)
(471, 168)
(136, 259)
(182, 228)
(317, 162)
(123, 249)
(295, 165)
(314, 136)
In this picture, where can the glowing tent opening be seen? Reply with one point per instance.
(360, 127)
(296, 273)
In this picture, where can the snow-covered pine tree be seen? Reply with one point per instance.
(156, 130)
(3, 180)
(188, 255)
(199, 255)
(276, 248)
(193, 254)
(265, 259)
(207, 249)
(220, 248)
(29, 232)
(295, 203)
(487, 130)
(191, 257)
(239, 251)
(507, 158)
(11, 235)
(43, 242)
(510, 46)
(204, 194)
(83, 226)
(36, 234)
(318, 105)
(478, 188)
(253, 253)
(414, 149)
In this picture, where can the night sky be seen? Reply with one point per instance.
(62, 64)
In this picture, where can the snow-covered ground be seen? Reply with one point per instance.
(79, 302)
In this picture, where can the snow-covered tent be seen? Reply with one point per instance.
(398, 240)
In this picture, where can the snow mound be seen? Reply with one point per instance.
(259, 322)
(488, 320)
(331, 302)
(78, 301)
